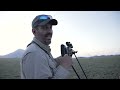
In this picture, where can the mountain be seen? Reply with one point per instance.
(16, 54)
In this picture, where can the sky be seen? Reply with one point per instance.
(90, 32)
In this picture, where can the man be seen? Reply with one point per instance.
(37, 61)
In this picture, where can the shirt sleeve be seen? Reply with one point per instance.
(61, 73)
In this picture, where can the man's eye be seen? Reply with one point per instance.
(46, 27)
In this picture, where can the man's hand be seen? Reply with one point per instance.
(65, 61)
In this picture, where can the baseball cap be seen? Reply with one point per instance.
(43, 20)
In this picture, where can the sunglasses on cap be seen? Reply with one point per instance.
(44, 17)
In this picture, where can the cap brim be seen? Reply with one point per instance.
(50, 21)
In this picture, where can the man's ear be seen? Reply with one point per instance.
(34, 31)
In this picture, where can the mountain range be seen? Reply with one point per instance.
(16, 54)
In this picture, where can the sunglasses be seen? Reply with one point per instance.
(44, 17)
(40, 19)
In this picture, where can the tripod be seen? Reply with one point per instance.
(70, 52)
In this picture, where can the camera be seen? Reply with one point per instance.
(67, 50)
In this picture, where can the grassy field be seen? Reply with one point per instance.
(9, 68)
(102, 67)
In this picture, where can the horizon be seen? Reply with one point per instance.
(4, 56)
(91, 32)
(72, 55)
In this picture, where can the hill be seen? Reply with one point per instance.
(16, 54)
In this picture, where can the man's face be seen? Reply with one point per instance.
(44, 33)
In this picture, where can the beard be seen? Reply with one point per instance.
(48, 38)
(45, 38)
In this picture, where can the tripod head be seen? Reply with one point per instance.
(69, 44)
(67, 50)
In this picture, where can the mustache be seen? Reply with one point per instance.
(48, 34)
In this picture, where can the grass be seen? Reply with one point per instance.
(102, 67)
(9, 68)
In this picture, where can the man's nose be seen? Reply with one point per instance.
(50, 30)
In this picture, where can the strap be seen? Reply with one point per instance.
(45, 52)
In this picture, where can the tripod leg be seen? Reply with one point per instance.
(76, 72)
(80, 66)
